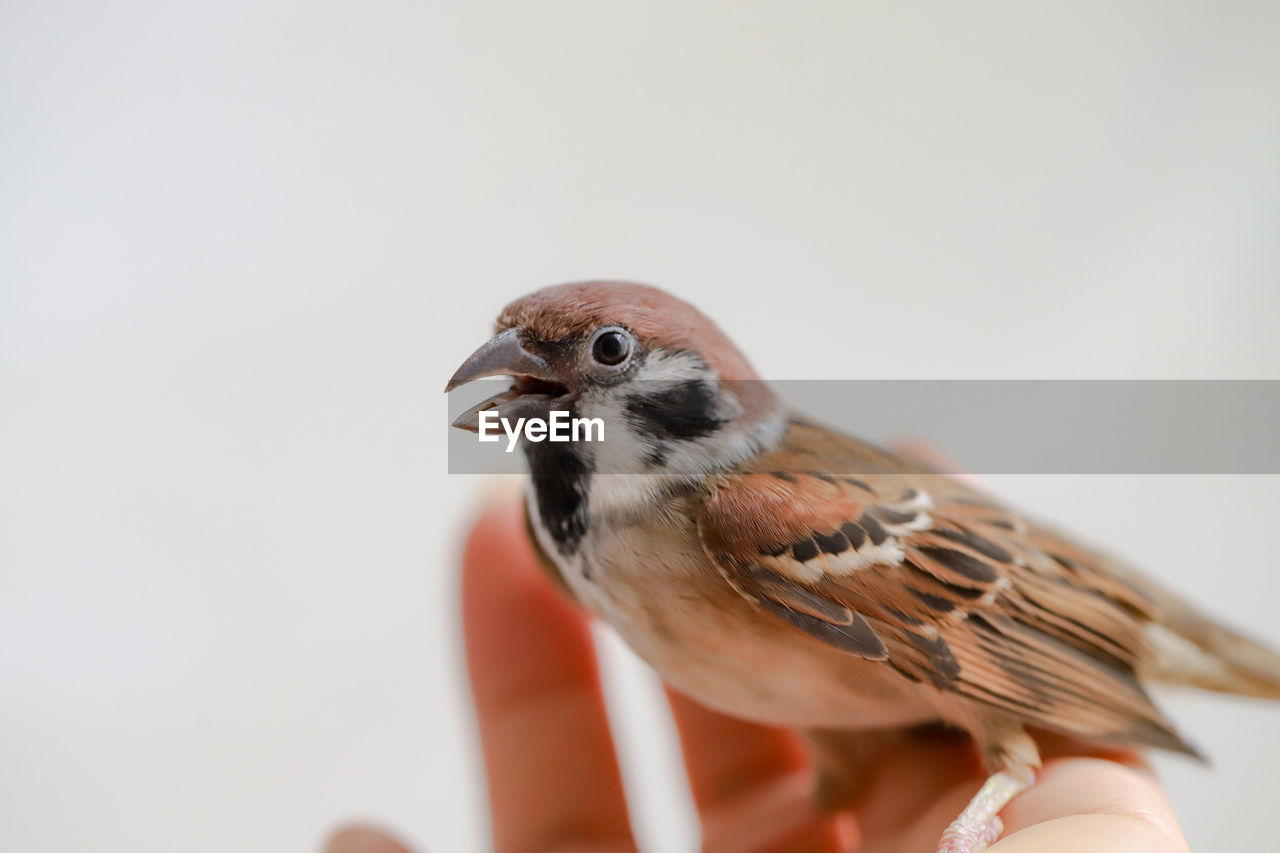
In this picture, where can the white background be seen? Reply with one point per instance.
(245, 243)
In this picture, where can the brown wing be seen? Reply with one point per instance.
(914, 569)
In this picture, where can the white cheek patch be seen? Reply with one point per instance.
(666, 366)
(633, 467)
(623, 451)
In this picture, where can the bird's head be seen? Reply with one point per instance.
(674, 394)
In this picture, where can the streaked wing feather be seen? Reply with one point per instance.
(948, 588)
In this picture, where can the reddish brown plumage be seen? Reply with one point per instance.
(657, 318)
(982, 604)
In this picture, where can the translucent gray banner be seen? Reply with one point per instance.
(1000, 426)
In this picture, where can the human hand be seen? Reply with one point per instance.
(536, 686)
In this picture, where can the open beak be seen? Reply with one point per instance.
(536, 385)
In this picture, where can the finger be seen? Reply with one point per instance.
(1091, 804)
(363, 839)
(750, 783)
(890, 822)
(1055, 745)
(776, 816)
(906, 772)
(552, 774)
(726, 756)
(918, 450)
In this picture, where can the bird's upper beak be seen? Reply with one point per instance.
(537, 382)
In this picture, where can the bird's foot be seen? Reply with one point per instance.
(979, 825)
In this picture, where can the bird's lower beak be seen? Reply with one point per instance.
(536, 383)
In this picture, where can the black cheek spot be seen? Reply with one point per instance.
(681, 410)
(783, 476)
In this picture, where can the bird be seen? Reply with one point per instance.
(782, 571)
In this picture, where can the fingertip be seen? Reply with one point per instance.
(1056, 745)
(519, 632)
(497, 536)
(775, 816)
(1074, 787)
(1097, 833)
(358, 838)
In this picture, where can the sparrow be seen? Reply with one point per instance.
(783, 572)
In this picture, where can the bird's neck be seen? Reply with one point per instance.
(657, 445)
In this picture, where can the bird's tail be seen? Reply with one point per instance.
(1197, 651)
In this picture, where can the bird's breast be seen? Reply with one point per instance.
(653, 582)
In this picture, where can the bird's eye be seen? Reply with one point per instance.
(611, 347)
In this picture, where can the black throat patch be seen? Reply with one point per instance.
(561, 476)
